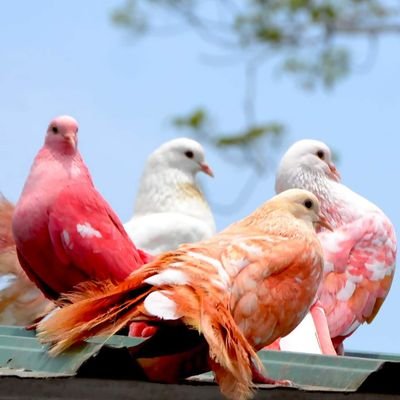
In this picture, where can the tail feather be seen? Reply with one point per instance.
(98, 312)
(105, 309)
(6, 212)
(230, 353)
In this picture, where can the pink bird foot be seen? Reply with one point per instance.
(141, 329)
(258, 377)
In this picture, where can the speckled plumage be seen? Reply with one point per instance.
(359, 254)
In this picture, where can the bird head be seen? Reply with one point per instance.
(183, 154)
(307, 154)
(62, 133)
(303, 205)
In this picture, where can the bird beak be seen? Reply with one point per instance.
(335, 172)
(206, 169)
(70, 138)
(324, 223)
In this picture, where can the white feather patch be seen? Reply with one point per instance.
(161, 306)
(255, 251)
(168, 277)
(379, 270)
(87, 231)
(215, 263)
(346, 291)
(7, 280)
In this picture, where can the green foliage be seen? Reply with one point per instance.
(309, 40)
(196, 120)
(250, 135)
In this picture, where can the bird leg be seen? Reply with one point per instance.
(322, 329)
(258, 377)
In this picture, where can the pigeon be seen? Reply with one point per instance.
(21, 302)
(65, 232)
(170, 208)
(360, 252)
(240, 289)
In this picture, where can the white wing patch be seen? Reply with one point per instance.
(160, 305)
(255, 251)
(346, 291)
(66, 239)
(87, 231)
(168, 277)
(379, 270)
(6, 281)
(215, 263)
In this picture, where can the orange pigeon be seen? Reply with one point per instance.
(240, 289)
(21, 302)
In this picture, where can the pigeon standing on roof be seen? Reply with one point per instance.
(21, 302)
(240, 289)
(170, 208)
(360, 253)
(65, 232)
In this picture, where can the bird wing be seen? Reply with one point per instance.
(88, 235)
(275, 282)
(359, 266)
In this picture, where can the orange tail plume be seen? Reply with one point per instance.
(104, 309)
(6, 212)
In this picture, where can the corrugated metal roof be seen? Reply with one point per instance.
(22, 355)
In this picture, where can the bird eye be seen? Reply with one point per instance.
(308, 203)
(54, 129)
(320, 154)
(189, 154)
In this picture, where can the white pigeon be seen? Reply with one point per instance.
(359, 253)
(170, 208)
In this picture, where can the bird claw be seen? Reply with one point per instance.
(258, 377)
(275, 382)
(141, 329)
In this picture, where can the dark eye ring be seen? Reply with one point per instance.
(320, 154)
(189, 154)
(54, 129)
(308, 203)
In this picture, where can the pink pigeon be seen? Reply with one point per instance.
(359, 253)
(65, 232)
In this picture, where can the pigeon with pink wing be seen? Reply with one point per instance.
(65, 232)
(359, 254)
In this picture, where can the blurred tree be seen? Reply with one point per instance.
(310, 40)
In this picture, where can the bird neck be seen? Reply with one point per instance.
(170, 190)
(338, 203)
(52, 170)
(326, 190)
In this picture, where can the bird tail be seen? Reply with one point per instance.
(104, 309)
(96, 309)
(6, 212)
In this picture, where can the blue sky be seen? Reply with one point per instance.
(65, 57)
